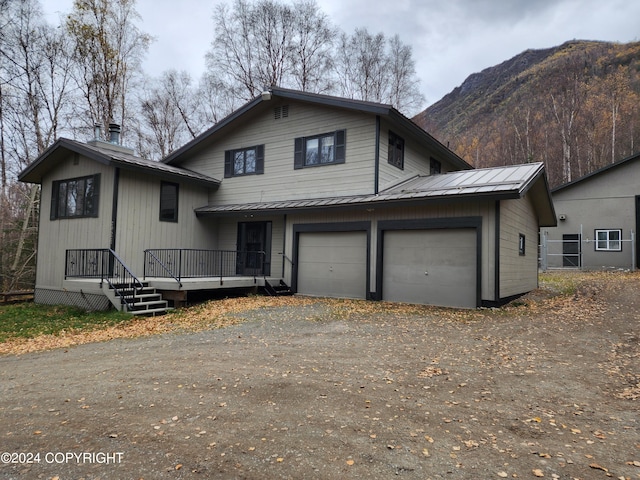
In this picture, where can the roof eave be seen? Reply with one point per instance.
(365, 204)
(29, 174)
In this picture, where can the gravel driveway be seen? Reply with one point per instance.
(549, 388)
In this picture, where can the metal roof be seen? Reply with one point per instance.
(110, 155)
(498, 182)
(513, 179)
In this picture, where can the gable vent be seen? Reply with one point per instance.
(281, 112)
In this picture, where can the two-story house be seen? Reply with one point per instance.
(331, 196)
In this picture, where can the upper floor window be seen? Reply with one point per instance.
(322, 149)
(435, 167)
(168, 202)
(396, 150)
(245, 161)
(609, 240)
(75, 197)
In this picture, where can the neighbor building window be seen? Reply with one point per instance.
(609, 240)
(245, 161)
(75, 197)
(396, 151)
(168, 202)
(521, 244)
(325, 149)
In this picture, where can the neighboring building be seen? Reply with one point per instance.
(333, 197)
(598, 217)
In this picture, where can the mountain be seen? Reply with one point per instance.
(574, 107)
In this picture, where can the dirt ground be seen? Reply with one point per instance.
(548, 387)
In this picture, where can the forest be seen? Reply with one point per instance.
(574, 107)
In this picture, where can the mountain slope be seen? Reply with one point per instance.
(574, 106)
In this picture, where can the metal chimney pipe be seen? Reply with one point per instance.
(114, 133)
(97, 131)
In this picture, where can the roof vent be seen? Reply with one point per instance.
(114, 133)
(281, 112)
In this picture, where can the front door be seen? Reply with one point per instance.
(254, 248)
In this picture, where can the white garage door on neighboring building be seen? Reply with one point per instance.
(434, 267)
(332, 264)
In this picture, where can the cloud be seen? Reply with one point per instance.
(450, 39)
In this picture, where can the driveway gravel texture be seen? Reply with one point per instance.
(301, 388)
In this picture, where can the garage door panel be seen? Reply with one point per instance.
(332, 264)
(436, 267)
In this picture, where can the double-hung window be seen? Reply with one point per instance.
(324, 149)
(609, 240)
(168, 202)
(75, 197)
(244, 161)
(396, 151)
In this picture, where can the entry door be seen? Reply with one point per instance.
(571, 250)
(254, 248)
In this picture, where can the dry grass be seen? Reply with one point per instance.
(557, 292)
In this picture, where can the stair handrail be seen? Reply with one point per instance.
(159, 262)
(136, 284)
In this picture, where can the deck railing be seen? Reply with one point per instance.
(181, 263)
(103, 263)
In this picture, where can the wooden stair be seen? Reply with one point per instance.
(147, 301)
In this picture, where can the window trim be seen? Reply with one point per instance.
(229, 161)
(339, 149)
(608, 240)
(86, 213)
(522, 244)
(395, 141)
(174, 217)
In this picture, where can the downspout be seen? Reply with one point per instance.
(497, 253)
(376, 179)
(114, 209)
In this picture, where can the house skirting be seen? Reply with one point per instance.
(80, 299)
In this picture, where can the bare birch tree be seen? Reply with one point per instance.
(109, 49)
(34, 89)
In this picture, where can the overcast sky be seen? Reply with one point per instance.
(451, 39)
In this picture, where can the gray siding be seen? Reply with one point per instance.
(417, 158)
(56, 236)
(605, 201)
(139, 226)
(518, 273)
(280, 181)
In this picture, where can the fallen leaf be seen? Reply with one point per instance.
(598, 467)
(350, 462)
(538, 473)
(425, 452)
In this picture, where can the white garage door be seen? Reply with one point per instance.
(332, 264)
(434, 267)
